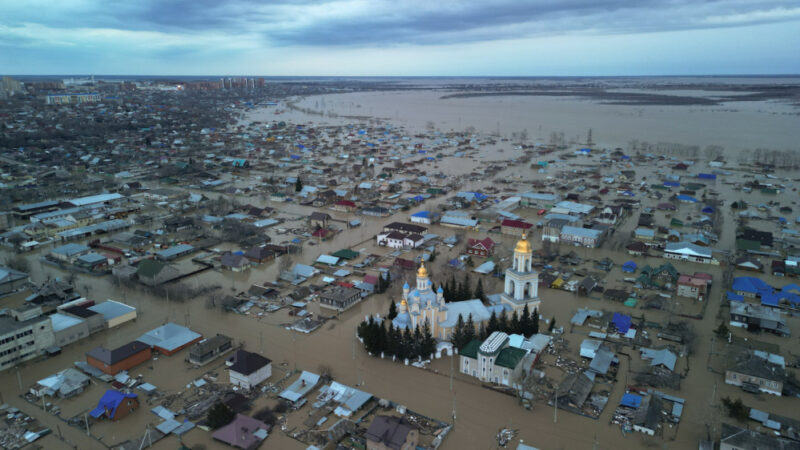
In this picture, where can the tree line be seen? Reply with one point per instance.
(454, 291)
(391, 340)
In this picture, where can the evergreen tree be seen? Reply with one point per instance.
(552, 325)
(380, 338)
(513, 326)
(494, 324)
(407, 344)
(453, 289)
(535, 321)
(503, 323)
(432, 257)
(482, 334)
(298, 185)
(466, 290)
(446, 293)
(525, 325)
(392, 310)
(392, 340)
(469, 332)
(220, 415)
(428, 342)
(458, 333)
(479, 293)
(417, 342)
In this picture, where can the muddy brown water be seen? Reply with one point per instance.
(479, 412)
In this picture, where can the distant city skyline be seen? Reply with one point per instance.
(409, 38)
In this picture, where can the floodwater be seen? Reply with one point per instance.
(479, 413)
(736, 126)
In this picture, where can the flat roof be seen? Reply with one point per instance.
(111, 309)
(63, 321)
(92, 199)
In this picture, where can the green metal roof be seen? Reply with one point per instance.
(747, 244)
(509, 357)
(471, 350)
(346, 253)
(149, 268)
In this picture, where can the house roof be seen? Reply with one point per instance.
(346, 253)
(121, 353)
(8, 275)
(471, 349)
(169, 336)
(149, 268)
(516, 224)
(389, 430)
(509, 357)
(111, 309)
(245, 362)
(243, 432)
(110, 401)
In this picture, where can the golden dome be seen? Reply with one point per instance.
(422, 272)
(523, 246)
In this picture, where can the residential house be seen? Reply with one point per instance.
(248, 369)
(339, 298)
(757, 317)
(259, 255)
(685, 251)
(235, 262)
(170, 338)
(344, 206)
(585, 237)
(480, 247)
(735, 438)
(115, 405)
(319, 219)
(121, 358)
(243, 432)
(691, 287)
(391, 433)
(154, 273)
(209, 349)
(749, 263)
(425, 217)
(514, 227)
(755, 371)
(392, 239)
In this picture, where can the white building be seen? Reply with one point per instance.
(493, 360)
(247, 369)
(522, 282)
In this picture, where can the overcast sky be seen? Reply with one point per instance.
(400, 37)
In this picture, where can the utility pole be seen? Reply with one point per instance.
(555, 405)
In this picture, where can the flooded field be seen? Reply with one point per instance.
(736, 126)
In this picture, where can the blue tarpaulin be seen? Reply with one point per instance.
(622, 322)
(631, 400)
